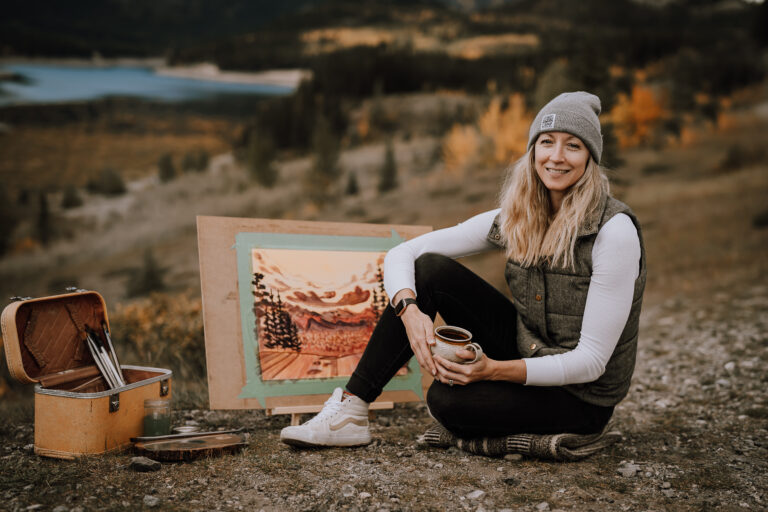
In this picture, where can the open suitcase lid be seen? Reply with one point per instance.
(46, 335)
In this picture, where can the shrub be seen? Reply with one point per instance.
(166, 169)
(261, 153)
(352, 188)
(760, 220)
(71, 198)
(737, 157)
(388, 172)
(148, 278)
(109, 183)
(163, 330)
(195, 161)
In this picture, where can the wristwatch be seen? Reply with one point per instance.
(400, 306)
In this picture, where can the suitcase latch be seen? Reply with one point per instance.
(163, 388)
(114, 402)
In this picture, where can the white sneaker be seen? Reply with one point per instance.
(340, 423)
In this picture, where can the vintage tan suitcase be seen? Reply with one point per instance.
(75, 411)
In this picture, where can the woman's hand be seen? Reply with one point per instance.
(419, 328)
(485, 368)
(452, 373)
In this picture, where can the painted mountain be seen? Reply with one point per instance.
(315, 310)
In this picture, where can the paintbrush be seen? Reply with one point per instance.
(99, 362)
(112, 350)
(106, 362)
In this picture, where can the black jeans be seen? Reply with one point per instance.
(486, 408)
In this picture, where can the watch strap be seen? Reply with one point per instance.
(404, 303)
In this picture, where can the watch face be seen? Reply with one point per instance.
(404, 303)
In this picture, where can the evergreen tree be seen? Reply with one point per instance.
(352, 188)
(325, 171)
(375, 305)
(271, 322)
(8, 220)
(71, 198)
(148, 278)
(388, 172)
(261, 153)
(295, 336)
(109, 183)
(195, 161)
(382, 295)
(259, 289)
(166, 169)
(43, 223)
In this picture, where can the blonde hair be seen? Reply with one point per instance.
(532, 233)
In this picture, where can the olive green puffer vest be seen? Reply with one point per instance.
(550, 304)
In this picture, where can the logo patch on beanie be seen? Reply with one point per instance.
(548, 122)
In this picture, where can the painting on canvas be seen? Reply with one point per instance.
(314, 321)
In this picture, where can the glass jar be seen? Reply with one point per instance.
(157, 417)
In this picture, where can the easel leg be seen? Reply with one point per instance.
(295, 419)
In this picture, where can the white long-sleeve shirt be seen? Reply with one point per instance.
(615, 266)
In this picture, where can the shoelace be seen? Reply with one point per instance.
(329, 410)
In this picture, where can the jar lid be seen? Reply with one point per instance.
(152, 402)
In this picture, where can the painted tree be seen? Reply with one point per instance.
(375, 305)
(380, 294)
(286, 332)
(270, 323)
(261, 309)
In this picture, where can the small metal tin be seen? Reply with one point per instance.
(185, 429)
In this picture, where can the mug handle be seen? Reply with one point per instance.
(478, 352)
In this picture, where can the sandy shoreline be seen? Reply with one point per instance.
(204, 71)
(280, 77)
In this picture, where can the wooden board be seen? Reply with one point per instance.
(225, 353)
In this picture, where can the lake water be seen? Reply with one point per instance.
(58, 83)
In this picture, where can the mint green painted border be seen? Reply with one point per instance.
(255, 387)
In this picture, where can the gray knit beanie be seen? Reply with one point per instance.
(571, 112)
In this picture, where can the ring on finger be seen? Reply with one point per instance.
(450, 382)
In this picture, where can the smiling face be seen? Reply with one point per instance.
(560, 160)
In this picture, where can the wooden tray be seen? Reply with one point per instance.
(191, 448)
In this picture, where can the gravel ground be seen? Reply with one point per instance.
(694, 428)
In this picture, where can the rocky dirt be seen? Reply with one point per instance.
(694, 438)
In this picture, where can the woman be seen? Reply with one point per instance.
(557, 357)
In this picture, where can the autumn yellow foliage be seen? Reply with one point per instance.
(507, 129)
(500, 135)
(637, 116)
(460, 148)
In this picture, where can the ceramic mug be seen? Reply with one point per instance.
(449, 339)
